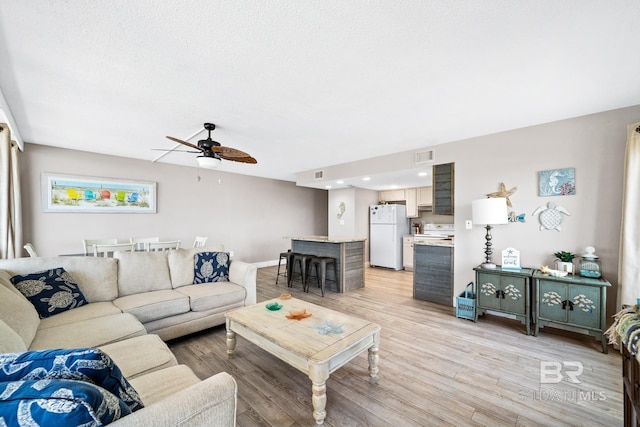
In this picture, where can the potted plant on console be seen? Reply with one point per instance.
(564, 261)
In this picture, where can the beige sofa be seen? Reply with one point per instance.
(136, 300)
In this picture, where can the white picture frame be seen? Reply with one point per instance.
(86, 194)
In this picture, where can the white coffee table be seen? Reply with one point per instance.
(302, 346)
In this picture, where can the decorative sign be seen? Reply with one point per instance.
(511, 259)
(557, 182)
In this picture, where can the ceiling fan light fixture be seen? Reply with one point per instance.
(208, 162)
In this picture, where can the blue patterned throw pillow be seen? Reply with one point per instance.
(58, 403)
(51, 292)
(211, 267)
(81, 364)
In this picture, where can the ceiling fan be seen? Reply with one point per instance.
(212, 152)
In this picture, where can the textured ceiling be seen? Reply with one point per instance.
(302, 85)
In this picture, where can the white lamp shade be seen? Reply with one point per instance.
(490, 211)
(208, 162)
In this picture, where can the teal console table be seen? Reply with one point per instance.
(572, 302)
(505, 291)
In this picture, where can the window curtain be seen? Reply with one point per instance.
(10, 200)
(629, 264)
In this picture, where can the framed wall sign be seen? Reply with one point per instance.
(557, 182)
(70, 193)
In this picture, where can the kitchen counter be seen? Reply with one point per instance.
(327, 239)
(435, 242)
(349, 255)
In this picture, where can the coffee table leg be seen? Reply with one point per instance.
(374, 358)
(231, 341)
(319, 375)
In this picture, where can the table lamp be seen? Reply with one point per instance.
(490, 211)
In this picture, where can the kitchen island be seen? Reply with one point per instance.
(349, 255)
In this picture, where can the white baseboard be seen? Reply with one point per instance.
(269, 263)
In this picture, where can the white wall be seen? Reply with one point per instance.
(594, 145)
(342, 223)
(249, 215)
(355, 219)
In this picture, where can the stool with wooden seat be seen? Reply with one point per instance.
(301, 260)
(321, 277)
(287, 257)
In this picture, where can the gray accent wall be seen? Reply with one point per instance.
(249, 215)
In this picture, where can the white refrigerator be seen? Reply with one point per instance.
(387, 225)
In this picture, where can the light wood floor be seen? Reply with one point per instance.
(435, 369)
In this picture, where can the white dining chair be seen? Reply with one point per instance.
(88, 244)
(200, 241)
(162, 246)
(108, 250)
(141, 242)
(30, 250)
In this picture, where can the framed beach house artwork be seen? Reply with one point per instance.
(69, 193)
(557, 182)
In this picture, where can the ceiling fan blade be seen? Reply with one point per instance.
(168, 150)
(188, 144)
(243, 159)
(231, 152)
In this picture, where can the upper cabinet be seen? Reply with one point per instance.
(407, 196)
(425, 196)
(391, 196)
(412, 202)
(443, 189)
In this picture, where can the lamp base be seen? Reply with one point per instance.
(488, 265)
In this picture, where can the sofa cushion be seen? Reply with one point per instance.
(10, 341)
(96, 276)
(204, 297)
(5, 280)
(82, 364)
(140, 355)
(58, 403)
(182, 263)
(148, 306)
(211, 267)
(52, 291)
(89, 311)
(140, 272)
(19, 315)
(89, 333)
(162, 384)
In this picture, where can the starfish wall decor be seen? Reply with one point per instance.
(504, 193)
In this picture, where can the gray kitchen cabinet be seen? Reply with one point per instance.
(443, 189)
(433, 273)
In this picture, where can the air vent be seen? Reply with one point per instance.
(425, 156)
(318, 175)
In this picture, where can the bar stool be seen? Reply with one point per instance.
(287, 257)
(303, 261)
(321, 278)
